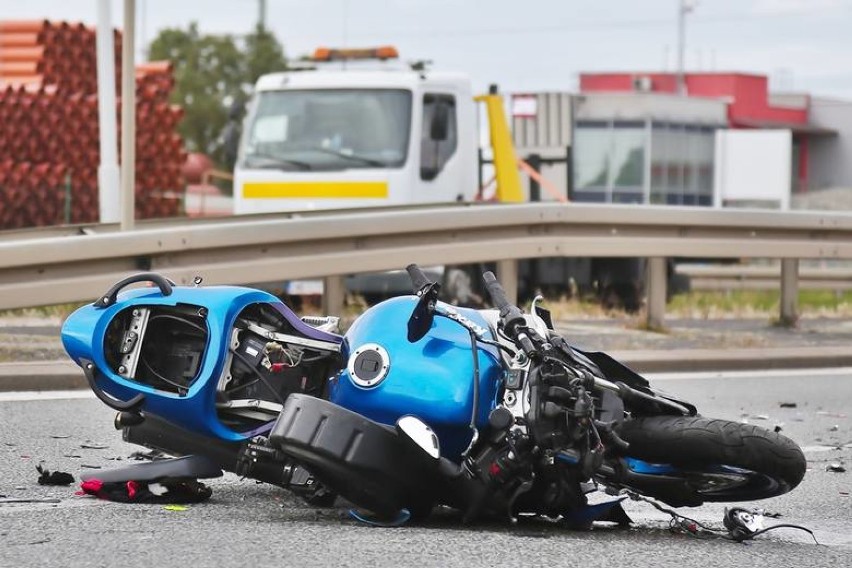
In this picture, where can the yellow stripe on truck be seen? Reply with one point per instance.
(316, 190)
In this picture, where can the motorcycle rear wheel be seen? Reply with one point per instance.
(716, 460)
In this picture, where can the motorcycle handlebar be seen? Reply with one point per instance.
(495, 290)
(418, 278)
(511, 316)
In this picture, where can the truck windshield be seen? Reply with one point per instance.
(328, 129)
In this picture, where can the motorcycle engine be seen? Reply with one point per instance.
(260, 372)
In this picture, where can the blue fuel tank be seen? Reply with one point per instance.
(388, 377)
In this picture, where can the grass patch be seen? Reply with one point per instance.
(58, 310)
(745, 303)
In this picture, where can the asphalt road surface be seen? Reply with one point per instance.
(249, 524)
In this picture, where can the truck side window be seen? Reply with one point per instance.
(439, 136)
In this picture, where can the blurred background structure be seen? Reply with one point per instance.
(49, 151)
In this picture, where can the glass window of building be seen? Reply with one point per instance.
(592, 142)
(681, 164)
(628, 162)
(609, 161)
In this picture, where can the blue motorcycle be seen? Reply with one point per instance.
(490, 412)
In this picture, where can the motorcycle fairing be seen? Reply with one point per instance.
(84, 338)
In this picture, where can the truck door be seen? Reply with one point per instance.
(440, 169)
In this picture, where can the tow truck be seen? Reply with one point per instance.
(360, 129)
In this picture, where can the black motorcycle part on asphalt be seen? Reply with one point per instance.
(158, 434)
(696, 444)
(364, 461)
(186, 467)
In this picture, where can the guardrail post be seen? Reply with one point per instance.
(789, 291)
(507, 274)
(656, 292)
(534, 160)
(333, 295)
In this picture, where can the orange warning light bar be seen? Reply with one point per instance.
(382, 53)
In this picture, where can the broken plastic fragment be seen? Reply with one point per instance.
(835, 468)
(176, 508)
(788, 405)
(33, 500)
(47, 477)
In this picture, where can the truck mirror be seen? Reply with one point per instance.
(440, 126)
(231, 141)
(237, 109)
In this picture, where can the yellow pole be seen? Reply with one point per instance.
(505, 161)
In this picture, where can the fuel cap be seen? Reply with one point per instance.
(368, 365)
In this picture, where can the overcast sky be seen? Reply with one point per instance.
(527, 45)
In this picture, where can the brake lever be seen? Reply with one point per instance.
(526, 345)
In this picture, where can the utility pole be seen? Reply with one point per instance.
(261, 15)
(128, 117)
(684, 7)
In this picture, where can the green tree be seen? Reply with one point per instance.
(264, 54)
(211, 72)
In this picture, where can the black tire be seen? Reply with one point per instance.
(350, 454)
(771, 463)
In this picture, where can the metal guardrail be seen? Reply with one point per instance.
(762, 277)
(37, 270)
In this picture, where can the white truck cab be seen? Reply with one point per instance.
(347, 138)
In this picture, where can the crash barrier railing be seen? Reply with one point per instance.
(763, 276)
(38, 270)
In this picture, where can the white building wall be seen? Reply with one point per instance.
(830, 157)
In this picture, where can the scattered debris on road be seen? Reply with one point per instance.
(148, 456)
(835, 467)
(830, 414)
(47, 477)
(29, 500)
(164, 491)
(788, 405)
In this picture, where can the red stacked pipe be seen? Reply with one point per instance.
(49, 146)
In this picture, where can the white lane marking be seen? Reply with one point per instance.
(823, 448)
(778, 373)
(16, 396)
(28, 396)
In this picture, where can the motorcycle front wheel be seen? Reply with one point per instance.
(688, 460)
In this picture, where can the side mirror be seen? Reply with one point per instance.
(231, 141)
(423, 314)
(420, 434)
(439, 129)
(237, 110)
